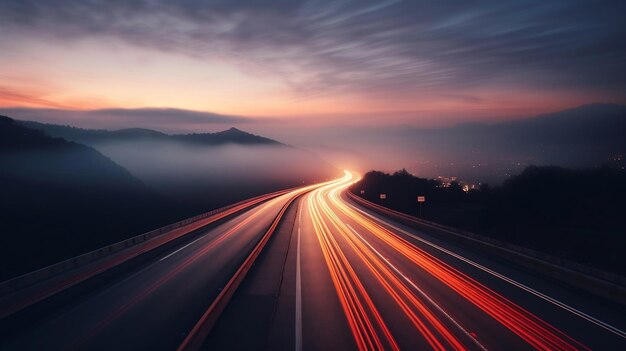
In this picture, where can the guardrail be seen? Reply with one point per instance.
(202, 328)
(595, 281)
(77, 269)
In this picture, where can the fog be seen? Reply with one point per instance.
(587, 136)
(423, 152)
(220, 174)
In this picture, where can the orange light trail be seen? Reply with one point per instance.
(351, 293)
(397, 290)
(116, 313)
(355, 300)
(527, 326)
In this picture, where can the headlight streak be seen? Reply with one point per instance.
(527, 326)
(345, 280)
(435, 333)
(355, 300)
(517, 284)
(163, 279)
(421, 292)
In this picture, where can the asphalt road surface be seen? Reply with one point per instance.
(334, 276)
(352, 279)
(155, 306)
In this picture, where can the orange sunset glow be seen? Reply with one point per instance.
(336, 83)
(312, 175)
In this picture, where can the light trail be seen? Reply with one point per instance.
(430, 327)
(421, 292)
(188, 261)
(298, 314)
(180, 266)
(526, 288)
(356, 303)
(344, 250)
(354, 298)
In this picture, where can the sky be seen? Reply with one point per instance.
(200, 65)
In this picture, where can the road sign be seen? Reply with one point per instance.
(420, 200)
(383, 196)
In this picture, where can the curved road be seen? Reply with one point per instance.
(334, 276)
(153, 307)
(354, 280)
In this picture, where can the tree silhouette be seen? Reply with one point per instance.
(575, 214)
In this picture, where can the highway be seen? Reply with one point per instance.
(155, 305)
(334, 276)
(353, 280)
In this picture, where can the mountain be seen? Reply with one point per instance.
(31, 154)
(95, 136)
(600, 126)
(60, 199)
(594, 124)
(230, 136)
(202, 170)
(586, 136)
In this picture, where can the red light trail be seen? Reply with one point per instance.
(341, 244)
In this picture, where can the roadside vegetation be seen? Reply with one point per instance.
(572, 214)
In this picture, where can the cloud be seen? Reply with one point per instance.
(164, 119)
(166, 115)
(12, 96)
(420, 47)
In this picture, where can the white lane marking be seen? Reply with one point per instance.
(528, 289)
(166, 257)
(420, 291)
(298, 288)
(263, 207)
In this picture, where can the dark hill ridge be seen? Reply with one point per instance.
(31, 154)
(594, 124)
(60, 199)
(602, 125)
(576, 214)
(139, 132)
(585, 136)
(230, 136)
(202, 170)
(94, 136)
